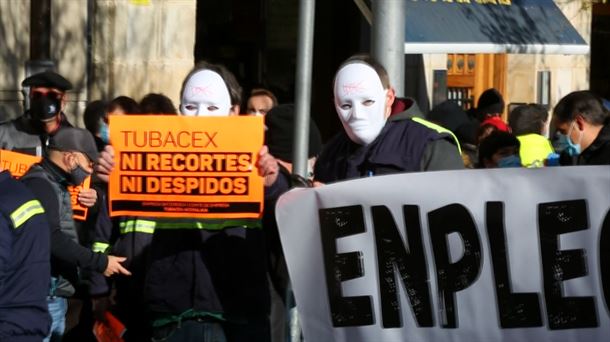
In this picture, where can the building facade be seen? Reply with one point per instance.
(108, 48)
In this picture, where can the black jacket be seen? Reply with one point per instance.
(24, 263)
(49, 184)
(403, 145)
(598, 153)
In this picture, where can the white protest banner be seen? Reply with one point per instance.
(472, 255)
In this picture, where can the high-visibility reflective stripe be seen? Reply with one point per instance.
(139, 226)
(100, 247)
(25, 212)
(439, 129)
(149, 226)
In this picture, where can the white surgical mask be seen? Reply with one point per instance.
(360, 101)
(205, 94)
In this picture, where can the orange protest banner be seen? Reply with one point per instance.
(16, 163)
(177, 166)
(79, 212)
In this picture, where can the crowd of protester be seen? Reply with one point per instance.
(169, 279)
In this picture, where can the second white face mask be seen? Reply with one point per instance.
(205, 94)
(360, 101)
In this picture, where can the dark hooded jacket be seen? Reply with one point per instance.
(403, 145)
(598, 153)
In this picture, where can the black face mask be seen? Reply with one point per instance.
(78, 175)
(44, 107)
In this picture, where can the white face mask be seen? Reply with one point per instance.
(360, 101)
(205, 94)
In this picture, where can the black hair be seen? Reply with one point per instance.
(129, 105)
(95, 112)
(493, 142)
(583, 103)
(157, 104)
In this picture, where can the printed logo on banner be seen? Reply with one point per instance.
(176, 166)
(415, 257)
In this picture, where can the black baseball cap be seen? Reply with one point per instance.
(47, 79)
(74, 139)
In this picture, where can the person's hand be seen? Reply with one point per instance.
(267, 166)
(317, 184)
(105, 163)
(114, 266)
(87, 197)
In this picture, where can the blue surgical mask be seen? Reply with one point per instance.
(566, 143)
(510, 161)
(105, 132)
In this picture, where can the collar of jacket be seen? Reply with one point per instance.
(405, 108)
(59, 175)
(602, 138)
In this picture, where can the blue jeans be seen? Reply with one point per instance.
(58, 306)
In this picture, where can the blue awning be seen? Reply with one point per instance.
(490, 26)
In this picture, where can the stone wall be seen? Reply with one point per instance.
(137, 47)
(141, 47)
(69, 51)
(15, 38)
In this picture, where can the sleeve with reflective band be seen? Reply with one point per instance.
(25, 212)
(439, 129)
(148, 226)
(100, 247)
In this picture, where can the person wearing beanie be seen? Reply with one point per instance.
(490, 103)
(29, 133)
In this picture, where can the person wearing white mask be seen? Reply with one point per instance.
(207, 279)
(375, 140)
(583, 125)
(204, 93)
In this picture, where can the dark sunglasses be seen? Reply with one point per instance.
(51, 94)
